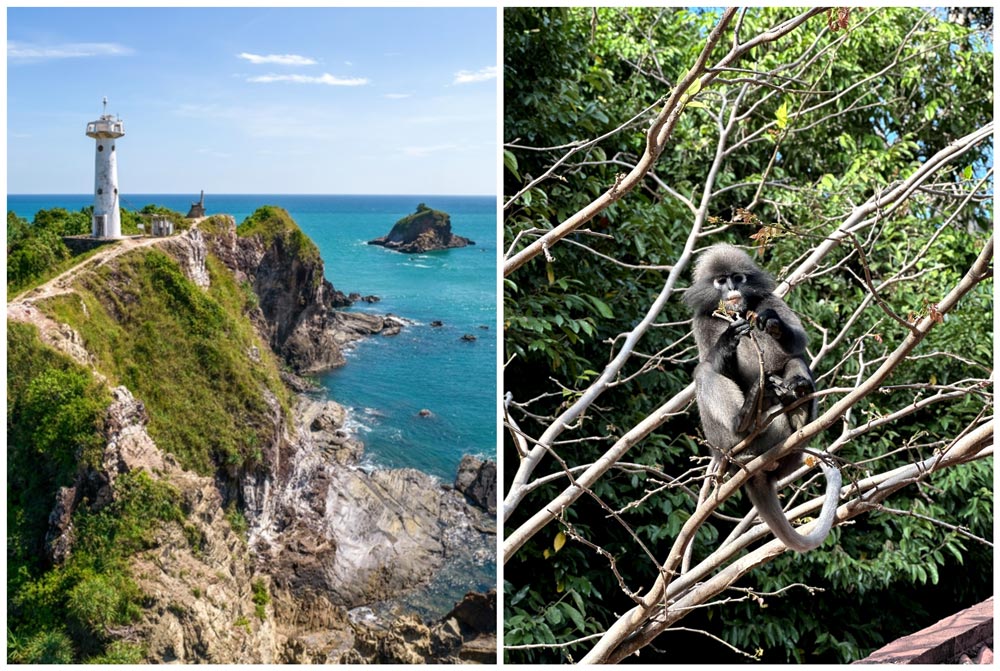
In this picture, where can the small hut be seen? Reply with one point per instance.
(162, 227)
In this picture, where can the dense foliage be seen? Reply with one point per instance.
(883, 95)
(36, 251)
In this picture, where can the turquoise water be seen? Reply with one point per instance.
(388, 380)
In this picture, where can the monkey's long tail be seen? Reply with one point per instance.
(763, 493)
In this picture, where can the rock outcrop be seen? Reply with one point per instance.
(297, 307)
(477, 479)
(425, 230)
(324, 420)
(465, 635)
(197, 579)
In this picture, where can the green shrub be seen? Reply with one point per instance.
(121, 652)
(260, 598)
(44, 647)
(100, 600)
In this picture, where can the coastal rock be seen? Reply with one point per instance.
(465, 635)
(359, 537)
(190, 250)
(477, 479)
(393, 325)
(468, 337)
(324, 420)
(425, 230)
(476, 617)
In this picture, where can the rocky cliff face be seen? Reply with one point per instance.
(425, 230)
(297, 306)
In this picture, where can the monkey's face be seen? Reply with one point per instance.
(730, 288)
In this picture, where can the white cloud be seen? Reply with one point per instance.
(397, 96)
(325, 78)
(271, 121)
(37, 52)
(481, 75)
(432, 149)
(278, 59)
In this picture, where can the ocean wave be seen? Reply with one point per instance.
(354, 424)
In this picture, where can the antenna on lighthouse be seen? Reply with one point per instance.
(105, 112)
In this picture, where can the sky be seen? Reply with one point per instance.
(255, 100)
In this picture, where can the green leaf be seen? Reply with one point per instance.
(510, 162)
(574, 615)
(602, 307)
(782, 116)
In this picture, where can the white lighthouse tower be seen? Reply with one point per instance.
(107, 221)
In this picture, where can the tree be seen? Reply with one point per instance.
(851, 150)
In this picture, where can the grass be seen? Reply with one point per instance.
(184, 352)
(271, 223)
(52, 272)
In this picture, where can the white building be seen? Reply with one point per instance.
(107, 221)
(162, 226)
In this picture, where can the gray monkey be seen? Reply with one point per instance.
(734, 399)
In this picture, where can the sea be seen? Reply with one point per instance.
(389, 380)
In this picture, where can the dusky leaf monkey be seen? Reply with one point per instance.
(751, 352)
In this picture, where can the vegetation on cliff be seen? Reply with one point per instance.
(63, 613)
(119, 553)
(274, 224)
(186, 352)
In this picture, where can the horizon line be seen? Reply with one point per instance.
(234, 193)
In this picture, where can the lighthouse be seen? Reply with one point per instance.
(107, 221)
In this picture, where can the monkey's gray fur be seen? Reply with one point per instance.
(728, 380)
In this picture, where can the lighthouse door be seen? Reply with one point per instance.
(100, 225)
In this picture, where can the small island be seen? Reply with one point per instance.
(425, 230)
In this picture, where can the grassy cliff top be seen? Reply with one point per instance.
(271, 222)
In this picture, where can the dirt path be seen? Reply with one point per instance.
(23, 307)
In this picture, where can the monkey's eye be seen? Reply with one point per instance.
(739, 278)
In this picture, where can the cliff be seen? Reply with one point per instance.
(297, 305)
(425, 230)
(171, 500)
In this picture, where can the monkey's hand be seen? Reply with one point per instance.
(792, 389)
(738, 328)
(769, 321)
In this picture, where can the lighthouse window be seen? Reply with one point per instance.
(100, 147)
(100, 191)
(116, 190)
(112, 147)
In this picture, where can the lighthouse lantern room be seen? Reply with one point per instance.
(107, 219)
